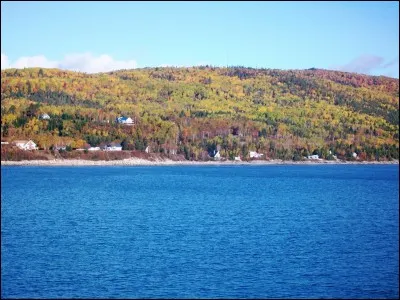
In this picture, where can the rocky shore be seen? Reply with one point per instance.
(167, 162)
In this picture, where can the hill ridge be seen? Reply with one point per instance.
(285, 114)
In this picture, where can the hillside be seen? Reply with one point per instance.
(194, 111)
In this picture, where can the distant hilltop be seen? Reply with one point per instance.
(196, 112)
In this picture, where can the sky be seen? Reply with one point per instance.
(361, 37)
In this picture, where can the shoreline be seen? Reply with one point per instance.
(167, 162)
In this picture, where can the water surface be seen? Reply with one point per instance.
(200, 232)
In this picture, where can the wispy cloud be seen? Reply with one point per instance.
(83, 62)
(366, 64)
(394, 62)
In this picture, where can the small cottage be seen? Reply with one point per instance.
(125, 120)
(217, 155)
(254, 154)
(25, 145)
(3, 144)
(60, 147)
(44, 117)
(113, 147)
(94, 149)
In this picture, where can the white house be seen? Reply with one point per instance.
(333, 155)
(26, 145)
(254, 154)
(94, 149)
(60, 147)
(125, 120)
(316, 156)
(147, 149)
(44, 117)
(113, 147)
(237, 158)
(217, 155)
(354, 155)
(4, 143)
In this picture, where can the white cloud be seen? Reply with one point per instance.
(83, 62)
(86, 62)
(34, 61)
(4, 61)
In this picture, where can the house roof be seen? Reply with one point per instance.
(114, 145)
(21, 141)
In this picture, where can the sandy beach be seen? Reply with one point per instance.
(167, 162)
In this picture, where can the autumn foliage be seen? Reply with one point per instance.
(193, 111)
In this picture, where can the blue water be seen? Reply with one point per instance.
(328, 231)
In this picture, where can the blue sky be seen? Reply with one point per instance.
(99, 36)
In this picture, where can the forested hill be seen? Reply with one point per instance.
(194, 111)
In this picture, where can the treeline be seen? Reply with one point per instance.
(194, 112)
